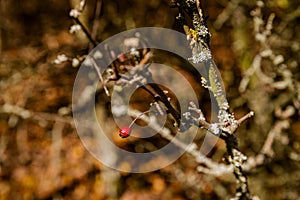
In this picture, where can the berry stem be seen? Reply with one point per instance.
(138, 118)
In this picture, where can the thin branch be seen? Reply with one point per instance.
(199, 7)
(96, 23)
(212, 167)
(244, 118)
(164, 99)
(85, 30)
(99, 74)
(266, 150)
(39, 116)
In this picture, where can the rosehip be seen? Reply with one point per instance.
(124, 132)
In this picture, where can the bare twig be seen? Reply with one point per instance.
(244, 118)
(99, 74)
(266, 150)
(95, 26)
(85, 30)
(39, 116)
(55, 162)
(212, 167)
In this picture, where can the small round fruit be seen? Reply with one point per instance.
(124, 132)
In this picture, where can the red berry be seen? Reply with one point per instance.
(124, 132)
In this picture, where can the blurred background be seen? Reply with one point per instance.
(41, 156)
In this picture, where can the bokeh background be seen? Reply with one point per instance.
(41, 156)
